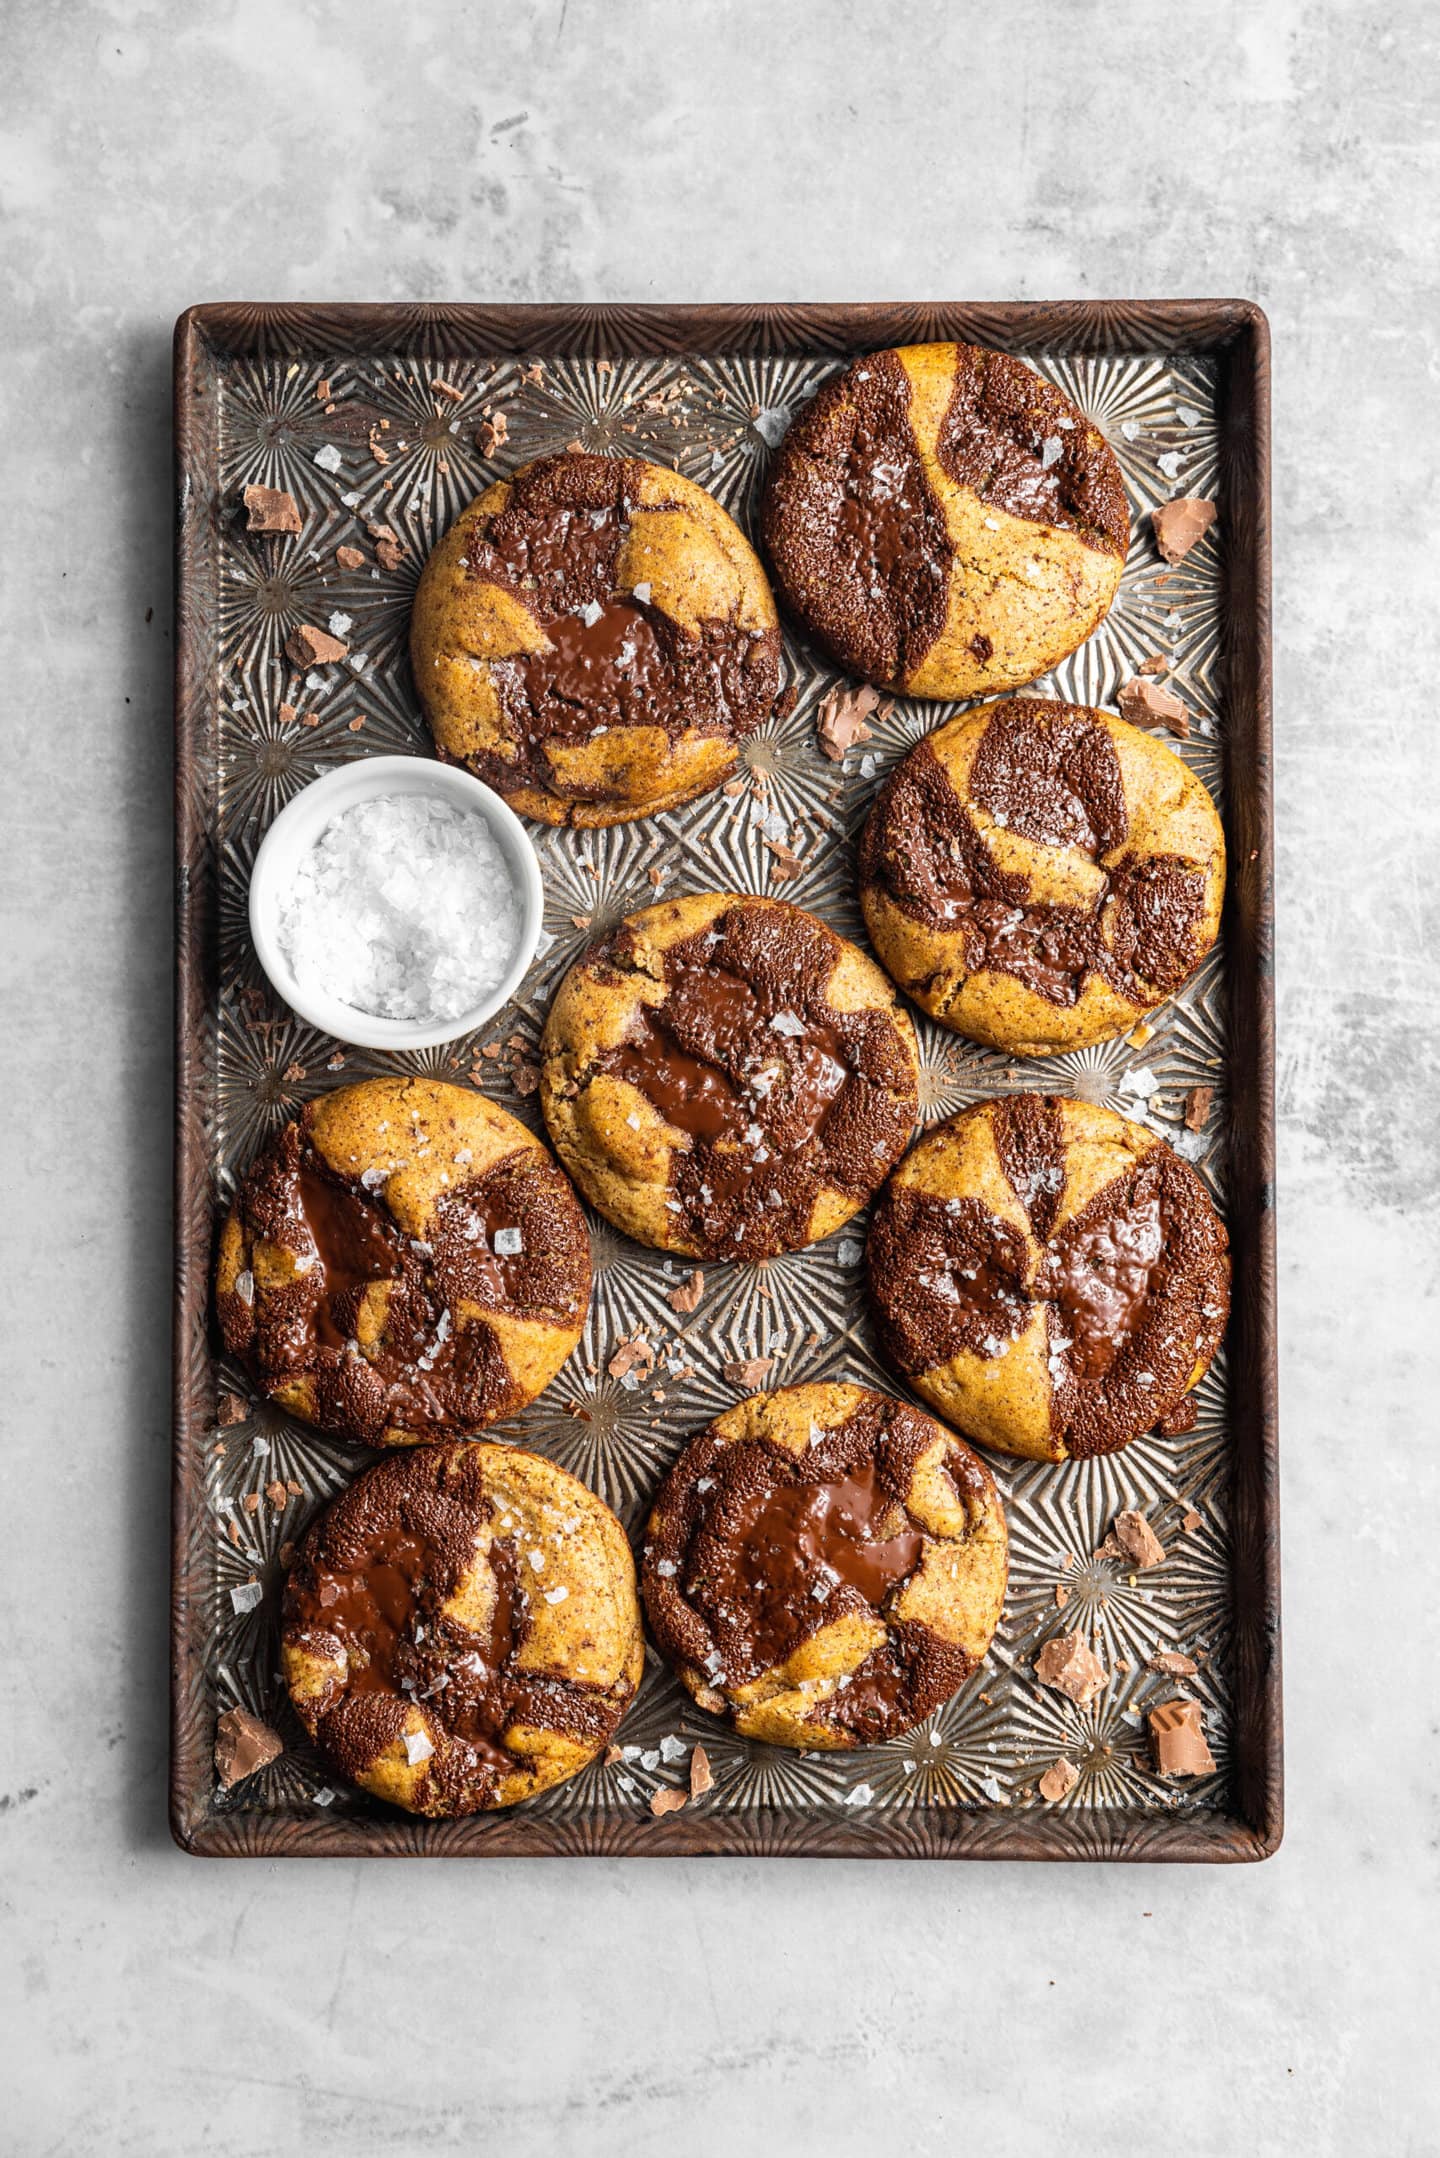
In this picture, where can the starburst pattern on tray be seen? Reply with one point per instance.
(399, 446)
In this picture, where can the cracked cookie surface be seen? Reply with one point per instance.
(402, 1262)
(945, 522)
(593, 638)
(1040, 875)
(1049, 1276)
(726, 1077)
(460, 1628)
(825, 1566)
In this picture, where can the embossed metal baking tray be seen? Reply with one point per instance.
(344, 407)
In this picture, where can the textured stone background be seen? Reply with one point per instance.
(156, 155)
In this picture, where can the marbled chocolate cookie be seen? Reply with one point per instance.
(593, 638)
(944, 522)
(726, 1077)
(1038, 875)
(825, 1566)
(1050, 1277)
(403, 1262)
(460, 1628)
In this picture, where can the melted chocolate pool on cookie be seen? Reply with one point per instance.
(1050, 773)
(419, 1371)
(614, 660)
(779, 1094)
(756, 1551)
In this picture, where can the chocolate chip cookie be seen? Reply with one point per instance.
(593, 638)
(825, 1566)
(460, 1628)
(944, 522)
(1039, 875)
(1050, 1277)
(404, 1261)
(727, 1077)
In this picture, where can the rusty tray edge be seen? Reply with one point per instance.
(1236, 332)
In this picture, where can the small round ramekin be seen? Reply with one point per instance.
(296, 830)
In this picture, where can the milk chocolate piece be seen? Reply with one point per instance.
(1144, 703)
(270, 509)
(1197, 1107)
(701, 1776)
(1172, 1663)
(686, 1298)
(669, 1801)
(1181, 525)
(349, 558)
(1138, 1540)
(752, 1371)
(1068, 1663)
(1178, 1733)
(841, 721)
(243, 1746)
(1058, 1781)
(307, 646)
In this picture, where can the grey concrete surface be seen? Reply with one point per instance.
(155, 154)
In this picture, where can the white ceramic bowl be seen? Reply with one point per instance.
(296, 830)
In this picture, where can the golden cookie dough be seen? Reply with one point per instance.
(1039, 875)
(460, 1628)
(1050, 1277)
(825, 1566)
(726, 1077)
(593, 638)
(945, 522)
(403, 1262)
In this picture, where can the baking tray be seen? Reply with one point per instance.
(1182, 391)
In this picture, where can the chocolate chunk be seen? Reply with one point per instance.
(752, 1371)
(840, 721)
(270, 509)
(307, 646)
(1197, 1107)
(687, 1297)
(1068, 1663)
(1145, 704)
(1177, 1731)
(349, 558)
(701, 1776)
(1138, 1541)
(669, 1801)
(1058, 1781)
(1181, 524)
(1172, 1663)
(243, 1746)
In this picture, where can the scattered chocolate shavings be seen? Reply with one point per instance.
(701, 1776)
(1177, 1421)
(669, 1801)
(1062, 1596)
(1181, 524)
(840, 722)
(1157, 663)
(350, 558)
(582, 921)
(787, 864)
(525, 1076)
(243, 1746)
(1177, 1732)
(251, 1502)
(1197, 1107)
(1138, 1540)
(270, 509)
(311, 647)
(1190, 1522)
(1145, 704)
(294, 1073)
(287, 715)
(1069, 1664)
(749, 1371)
(1171, 1662)
(687, 1297)
(634, 1355)
(231, 1409)
(442, 388)
(1059, 1781)
(278, 1496)
(492, 434)
(535, 373)
(296, 1491)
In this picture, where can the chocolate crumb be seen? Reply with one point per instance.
(307, 646)
(1157, 663)
(634, 1355)
(492, 434)
(1181, 524)
(1190, 1522)
(748, 1371)
(1171, 1662)
(1177, 1731)
(1197, 1107)
(270, 509)
(442, 388)
(1145, 703)
(350, 558)
(701, 1777)
(669, 1801)
(1138, 1540)
(1069, 1664)
(243, 1746)
(687, 1297)
(1059, 1781)
(288, 715)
